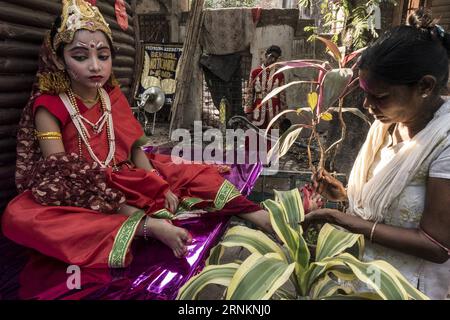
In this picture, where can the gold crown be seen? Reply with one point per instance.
(77, 15)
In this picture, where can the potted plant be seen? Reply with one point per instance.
(270, 265)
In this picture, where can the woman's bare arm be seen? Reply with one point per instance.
(435, 221)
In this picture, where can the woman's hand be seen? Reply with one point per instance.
(324, 215)
(328, 186)
(171, 202)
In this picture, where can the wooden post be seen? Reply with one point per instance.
(138, 55)
(398, 12)
(184, 74)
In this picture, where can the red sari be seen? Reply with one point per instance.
(90, 238)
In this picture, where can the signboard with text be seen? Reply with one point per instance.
(160, 63)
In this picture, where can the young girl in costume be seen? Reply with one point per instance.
(86, 187)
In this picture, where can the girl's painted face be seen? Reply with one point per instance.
(390, 103)
(88, 60)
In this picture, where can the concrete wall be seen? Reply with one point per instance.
(281, 36)
(148, 6)
(270, 4)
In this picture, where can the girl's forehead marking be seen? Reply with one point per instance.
(92, 44)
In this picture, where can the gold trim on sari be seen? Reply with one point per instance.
(123, 240)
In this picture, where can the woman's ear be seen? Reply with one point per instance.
(427, 85)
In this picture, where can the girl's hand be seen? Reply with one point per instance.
(171, 202)
(328, 186)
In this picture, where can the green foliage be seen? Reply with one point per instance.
(356, 26)
(271, 265)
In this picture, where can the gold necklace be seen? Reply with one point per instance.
(88, 101)
(83, 136)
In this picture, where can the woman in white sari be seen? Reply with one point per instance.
(399, 188)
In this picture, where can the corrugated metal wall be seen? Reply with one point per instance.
(22, 27)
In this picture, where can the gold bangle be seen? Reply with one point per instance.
(49, 138)
(145, 228)
(48, 135)
(40, 134)
(373, 231)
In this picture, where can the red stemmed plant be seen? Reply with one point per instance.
(328, 89)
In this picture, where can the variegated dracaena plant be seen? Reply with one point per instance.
(262, 275)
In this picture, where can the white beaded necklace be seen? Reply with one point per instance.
(71, 105)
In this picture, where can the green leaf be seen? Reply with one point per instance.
(297, 64)
(277, 90)
(333, 49)
(259, 277)
(312, 100)
(275, 118)
(332, 242)
(326, 116)
(285, 142)
(279, 223)
(284, 294)
(300, 110)
(352, 56)
(326, 287)
(252, 240)
(220, 275)
(334, 84)
(294, 241)
(355, 111)
(412, 292)
(381, 277)
(354, 296)
(317, 269)
(215, 255)
(292, 204)
(302, 257)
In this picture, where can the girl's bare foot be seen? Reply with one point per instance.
(174, 237)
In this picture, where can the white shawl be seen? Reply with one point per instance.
(371, 199)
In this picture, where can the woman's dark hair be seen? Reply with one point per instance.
(60, 51)
(403, 55)
(274, 49)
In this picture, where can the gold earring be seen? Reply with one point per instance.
(424, 95)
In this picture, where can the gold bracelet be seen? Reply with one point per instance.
(145, 228)
(49, 138)
(373, 230)
(41, 134)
